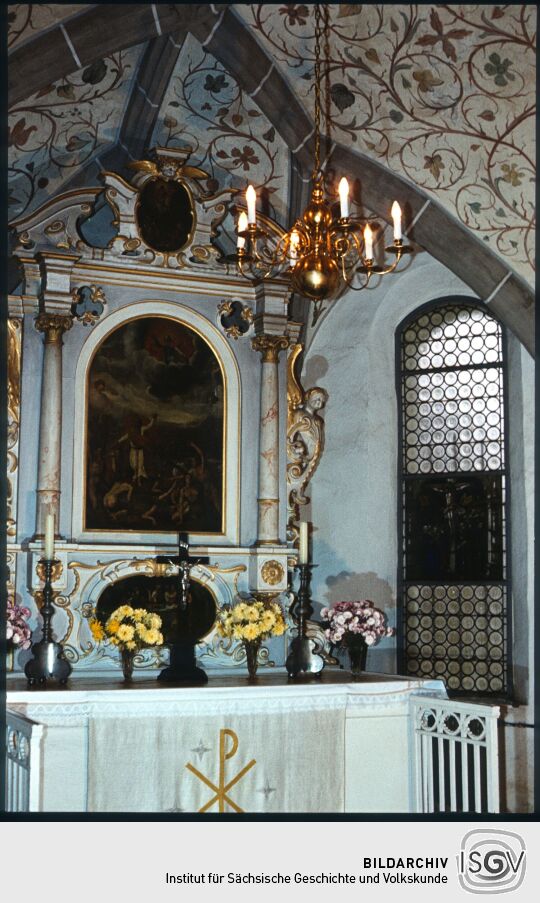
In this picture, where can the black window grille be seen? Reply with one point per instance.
(453, 574)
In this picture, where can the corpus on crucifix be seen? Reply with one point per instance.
(182, 666)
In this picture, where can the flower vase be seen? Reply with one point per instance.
(252, 652)
(128, 658)
(357, 650)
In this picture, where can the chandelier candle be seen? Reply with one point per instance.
(396, 216)
(295, 241)
(251, 201)
(344, 198)
(368, 242)
(242, 226)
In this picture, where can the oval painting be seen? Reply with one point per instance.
(164, 215)
(159, 595)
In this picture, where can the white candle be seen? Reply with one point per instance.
(396, 216)
(303, 544)
(49, 537)
(242, 226)
(344, 197)
(251, 201)
(368, 242)
(293, 245)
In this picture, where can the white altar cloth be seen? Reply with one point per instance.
(298, 747)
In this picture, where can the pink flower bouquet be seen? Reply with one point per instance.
(346, 622)
(18, 631)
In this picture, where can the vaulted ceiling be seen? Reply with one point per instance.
(434, 105)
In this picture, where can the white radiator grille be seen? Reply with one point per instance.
(455, 756)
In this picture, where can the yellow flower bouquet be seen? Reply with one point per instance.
(130, 629)
(251, 622)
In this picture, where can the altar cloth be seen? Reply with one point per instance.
(250, 756)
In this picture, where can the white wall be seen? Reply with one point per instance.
(354, 492)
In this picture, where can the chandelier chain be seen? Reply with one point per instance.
(318, 30)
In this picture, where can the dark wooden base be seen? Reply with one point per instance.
(182, 666)
(47, 663)
(302, 658)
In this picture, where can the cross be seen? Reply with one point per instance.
(267, 790)
(200, 750)
(222, 790)
(182, 667)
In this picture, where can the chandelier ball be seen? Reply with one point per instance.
(316, 276)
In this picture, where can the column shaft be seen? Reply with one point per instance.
(268, 496)
(50, 426)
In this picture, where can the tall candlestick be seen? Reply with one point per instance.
(303, 543)
(396, 216)
(344, 197)
(368, 242)
(49, 537)
(242, 226)
(251, 201)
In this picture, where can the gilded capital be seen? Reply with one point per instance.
(270, 346)
(53, 326)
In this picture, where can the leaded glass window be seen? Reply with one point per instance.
(453, 571)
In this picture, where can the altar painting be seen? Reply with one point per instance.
(154, 431)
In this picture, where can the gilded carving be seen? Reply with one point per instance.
(305, 441)
(272, 572)
(235, 318)
(79, 604)
(88, 304)
(56, 573)
(270, 346)
(53, 326)
(14, 416)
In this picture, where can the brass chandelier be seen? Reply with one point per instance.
(319, 254)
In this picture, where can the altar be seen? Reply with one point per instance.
(328, 745)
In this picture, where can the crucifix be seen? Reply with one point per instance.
(182, 666)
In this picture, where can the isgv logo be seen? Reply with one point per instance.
(491, 862)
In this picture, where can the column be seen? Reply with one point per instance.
(53, 327)
(268, 497)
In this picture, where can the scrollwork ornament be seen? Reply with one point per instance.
(305, 441)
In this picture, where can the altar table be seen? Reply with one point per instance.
(313, 746)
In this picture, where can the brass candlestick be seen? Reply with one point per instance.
(48, 661)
